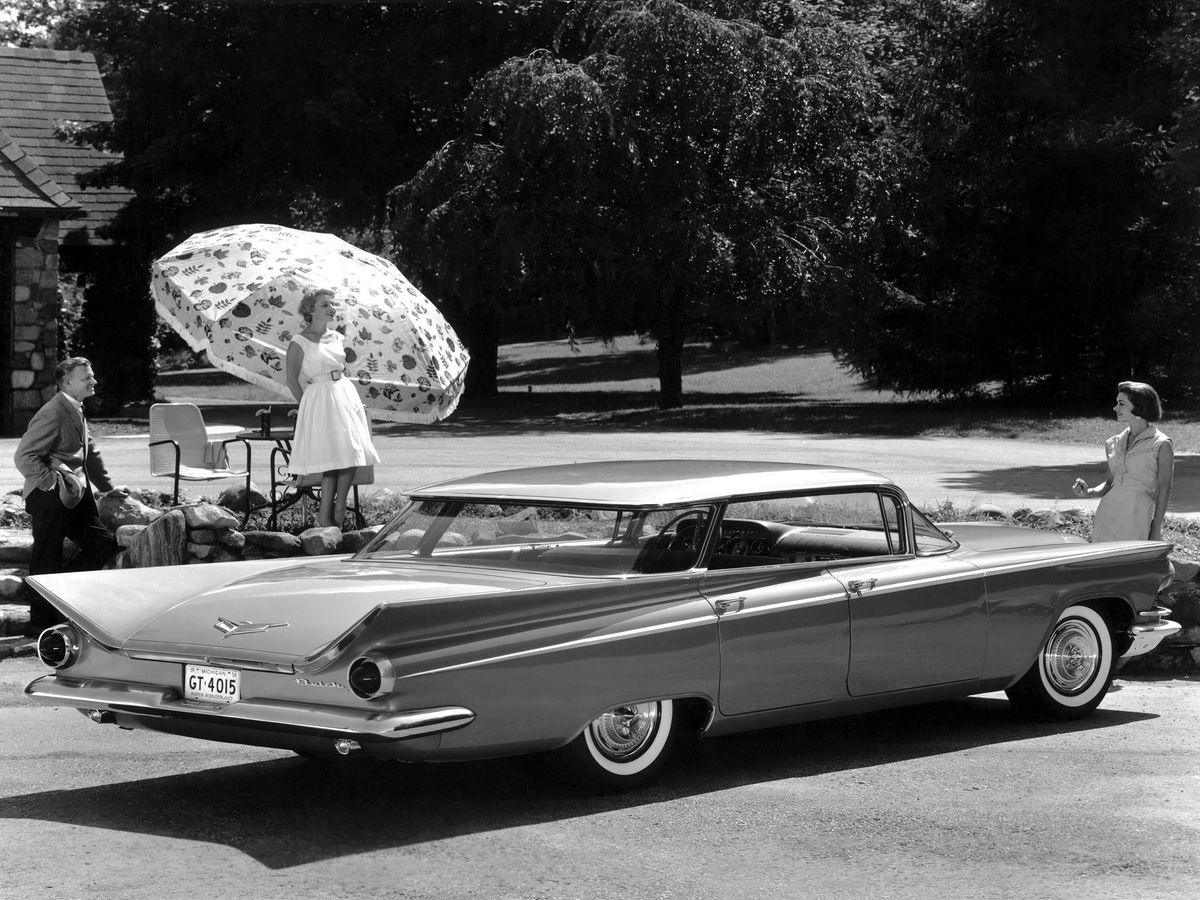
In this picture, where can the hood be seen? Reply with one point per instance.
(985, 536)
(275, 613)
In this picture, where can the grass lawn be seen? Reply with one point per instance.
(797, 389)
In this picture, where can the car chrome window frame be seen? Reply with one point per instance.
(953, 544)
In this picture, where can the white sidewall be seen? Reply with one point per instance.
(649, 756)
(1097, 623)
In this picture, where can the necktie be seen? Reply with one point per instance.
(86, 479)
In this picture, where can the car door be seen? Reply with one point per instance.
(783, 620)
(915, 621)
(785, 636)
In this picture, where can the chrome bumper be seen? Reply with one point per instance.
(1147, 637)
(122, 698)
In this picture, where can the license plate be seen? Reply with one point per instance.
(211, 685)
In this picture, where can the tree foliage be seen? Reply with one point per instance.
(662, 169)
(1045, 249)
(299, 114)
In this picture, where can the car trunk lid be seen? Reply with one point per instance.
(276, 615)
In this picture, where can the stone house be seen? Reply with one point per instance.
(47, 218)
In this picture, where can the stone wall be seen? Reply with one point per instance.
(35, 307)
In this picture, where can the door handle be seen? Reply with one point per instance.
(859, 585)
(729, 604)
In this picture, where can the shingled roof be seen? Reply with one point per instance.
(39, 172)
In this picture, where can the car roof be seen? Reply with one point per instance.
(658, 482)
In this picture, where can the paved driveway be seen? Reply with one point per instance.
(966, 471)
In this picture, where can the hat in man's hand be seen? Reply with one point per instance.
(70, 486)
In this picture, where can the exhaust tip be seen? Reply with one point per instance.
(102, 716)
(345, 747)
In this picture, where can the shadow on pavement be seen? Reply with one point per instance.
(289, 812)
(1054, 482)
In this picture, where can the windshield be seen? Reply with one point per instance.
(578, 540)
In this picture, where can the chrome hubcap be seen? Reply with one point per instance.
(1072, 657)
(625, 731)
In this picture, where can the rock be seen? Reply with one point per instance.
(16, 545)
(232, 538)
(208, 515)
(353, 541)
(126, 534)
(220, 554)
(252, 552)
(988, 510)
(235, 498)
(278, 542)
(1185, 569)
(162, 543)
(12, 511)
(200, 551)
(319, 541)
(202, 536)
(10, 586)
(14, 619)
(1050, 517)
(118, 508)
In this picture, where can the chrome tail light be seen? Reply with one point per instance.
(58, 647)
(372, 676)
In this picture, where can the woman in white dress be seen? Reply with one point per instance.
(1141, 467)
(333, 436)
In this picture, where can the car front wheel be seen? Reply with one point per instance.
(1073, 671)
(623, 748)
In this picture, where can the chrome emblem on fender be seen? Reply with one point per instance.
(309, 683)
(228, 627)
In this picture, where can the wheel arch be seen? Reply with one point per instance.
(694, 712)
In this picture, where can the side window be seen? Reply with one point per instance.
(809, 528)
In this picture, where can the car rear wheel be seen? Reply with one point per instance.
(1073, 671)
(621, 749)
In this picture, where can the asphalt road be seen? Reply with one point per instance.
(966, 471)
(942, 801)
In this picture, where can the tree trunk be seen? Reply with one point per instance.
(670, 366)
(478, 332)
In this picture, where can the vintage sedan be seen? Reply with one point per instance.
(594, 612)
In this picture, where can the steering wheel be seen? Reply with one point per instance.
(681, 539)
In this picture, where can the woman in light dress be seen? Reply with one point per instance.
(333, 436)
(1141, 466)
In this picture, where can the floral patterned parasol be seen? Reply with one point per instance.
(235, 293)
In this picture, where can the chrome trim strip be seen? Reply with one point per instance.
(566, 645)
(747, 611)
(200, 659)
(1066, 563)
(157, 702)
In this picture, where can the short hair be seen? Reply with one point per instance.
(309, 300)
(66, 366)
(1143, 399)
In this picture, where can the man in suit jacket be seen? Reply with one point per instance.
(61, 465)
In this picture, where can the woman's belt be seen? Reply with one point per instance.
(335, 375)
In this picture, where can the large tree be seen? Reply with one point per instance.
(1044, 249)
(665, 167)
